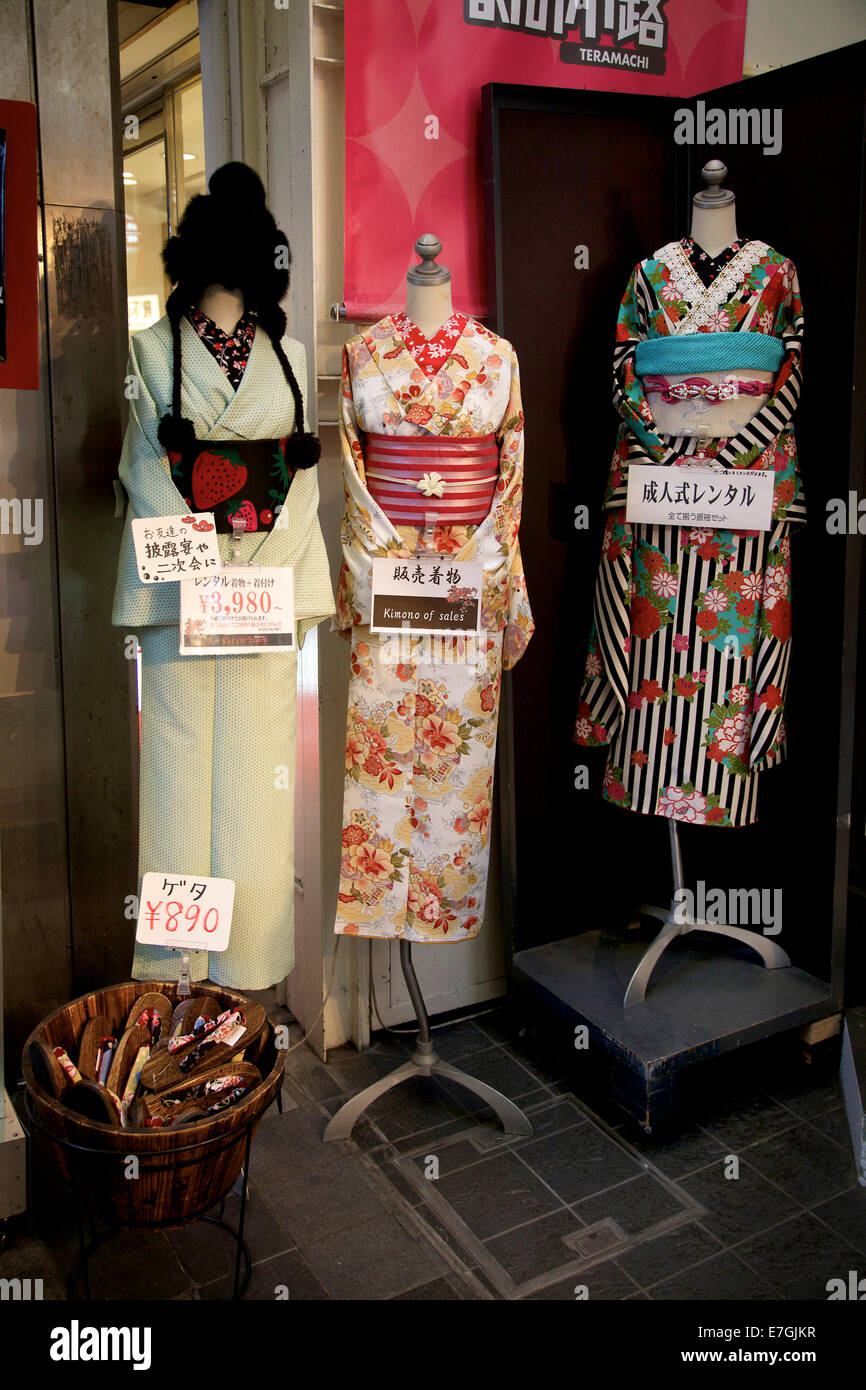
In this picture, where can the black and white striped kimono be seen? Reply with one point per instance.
(688, 659)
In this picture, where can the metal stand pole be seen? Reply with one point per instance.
(424, 1062)
(676, 923)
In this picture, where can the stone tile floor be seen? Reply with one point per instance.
(753, 1196)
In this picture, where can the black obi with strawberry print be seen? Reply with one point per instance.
(245, 479)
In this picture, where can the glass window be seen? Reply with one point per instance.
(162, 168)
(146, 216)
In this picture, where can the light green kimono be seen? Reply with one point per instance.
(218, 732)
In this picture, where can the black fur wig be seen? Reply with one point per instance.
(228, 237)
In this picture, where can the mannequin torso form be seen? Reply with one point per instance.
(713, 230)
(428, 306)
(224, 306)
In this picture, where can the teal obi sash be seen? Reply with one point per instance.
(680, 355)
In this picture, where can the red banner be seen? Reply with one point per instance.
(19, 266)
(414, 73)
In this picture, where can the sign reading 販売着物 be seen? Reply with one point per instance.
(414, 74)
(431, 596)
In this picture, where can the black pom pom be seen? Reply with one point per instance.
(176, 434)
(303, 451)
(237, 183)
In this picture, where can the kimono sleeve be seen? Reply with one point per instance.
(519, 625)
(629, 397)
(352, 452)
(144, 473)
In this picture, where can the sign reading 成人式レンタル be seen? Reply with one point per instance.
(414, 74)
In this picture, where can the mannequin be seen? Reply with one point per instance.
(223, 305)
(217, 425)
(687, 670)
(714, 211)
(428, 288)
(431, 429)
(716, 403)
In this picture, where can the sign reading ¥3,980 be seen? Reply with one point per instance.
(434, 596)
(729, 499)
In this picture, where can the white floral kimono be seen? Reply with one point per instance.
(421, 739)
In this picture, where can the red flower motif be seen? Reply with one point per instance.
(650, 690)
(771, 697)
(488, 699)
(419, 414)
(653, 561)
(645, 619)
(779, 618)
(669, 736)
(706, 619)
(714, 814)
(683, 686)
(374, 764)
(354, 835)
(715, 754)
(639, 758)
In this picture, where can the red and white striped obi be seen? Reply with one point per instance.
(411, 476)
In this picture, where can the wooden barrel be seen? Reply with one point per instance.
(181, 1173)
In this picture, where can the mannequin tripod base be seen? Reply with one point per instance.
(676, 923)
(425, 1062)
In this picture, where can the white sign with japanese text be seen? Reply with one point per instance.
(435, 595)
(728, 499)
(243, 609)
(185, 911)
(175, 547)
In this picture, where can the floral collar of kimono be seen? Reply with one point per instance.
(430, 353)
(419, 404)
(231, 350)
(704, 300)
(707, 267)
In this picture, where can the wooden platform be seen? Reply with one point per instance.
(704, 998)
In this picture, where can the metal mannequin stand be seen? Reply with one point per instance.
(676, 923)
(424, 1062)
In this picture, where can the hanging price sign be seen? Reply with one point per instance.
(242, 609)
(184, 911)
(729, 499)
(429, 596)
(175, 547)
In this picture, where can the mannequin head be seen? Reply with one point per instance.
(228, 238)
